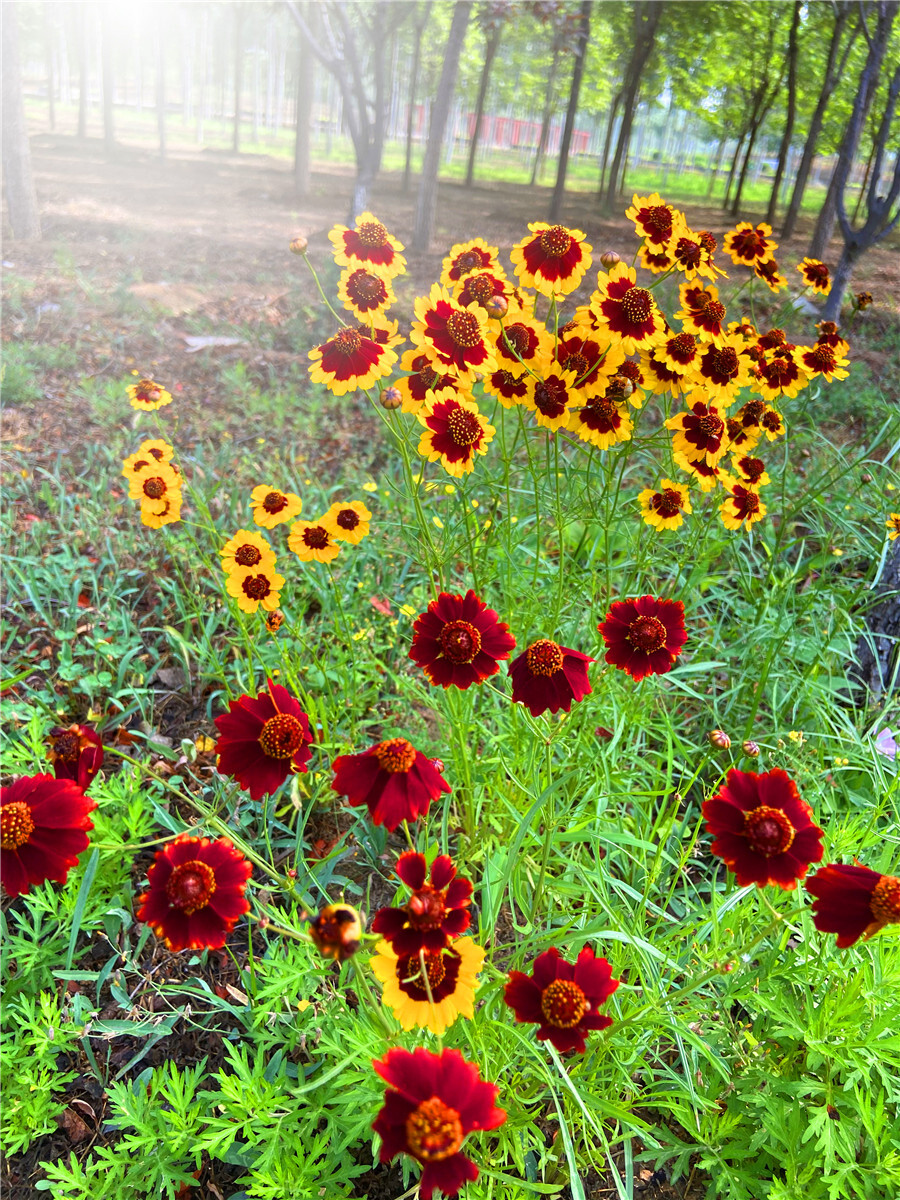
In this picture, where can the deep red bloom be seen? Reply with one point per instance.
(196, 893)
(562, 998)
(43, 824)
(263, 740)
(435, 913)
(432, 1102)
(853, 901)
(76, 753)
(547, 677)
(336, 931)
(393, 779)
(459, 641)
(644, 635)
(763, 831)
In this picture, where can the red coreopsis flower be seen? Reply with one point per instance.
(644, 636)
(626, 310)
(394, 780)
(654, 220)
(508, 387)
(435, 913)
(455, 432)
(780, 373)
(424, 382)
(553, 260)
(43, 829)
(366, 293)
(466, 257)
(763, 831)
(432, 1103)
(484, 288)
(593, 362)
(459, 641)
(815, 275)
(768, 272)
(76, 753)
(262, 741)
(350, 360)
(701, 432)
(196, 893)
(743, 507)
(548, 677)
(521, 344)
(822, 360)
(563, 999)
(368, 245)
(748, 244)
(701, 313)
(722, 369)
(456, 339)
(853, 901)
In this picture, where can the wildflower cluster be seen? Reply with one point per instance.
(155, 480)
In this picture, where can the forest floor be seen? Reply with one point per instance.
(138, 257)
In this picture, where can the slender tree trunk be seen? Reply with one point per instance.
(865, 181)
(21, 200)
(48, 58)
(832, 74)
(826, 219)
(413, 89)
(710, 187)
(785, 148)
(607, 141)
(646, 20)
(83, 69)
(547, 115)
(161, 82)
(238, 74)
(493, 43)
(106, 71)
(584, 33)
(738, 150)
(736, 202)
(305, 94)
(440, 112)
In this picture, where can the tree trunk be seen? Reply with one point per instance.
(305, 94)
(832, 74)
(733, 169)
(21, 200)
(584, 33)
(826, 219)
(48, 58)
(735, 203)
(646, 20)
(785, 147)
(106, 71)
(710, 187)
(83, 69)
(427, 200)
(490, 50)
(610, 124)
(161, 82)
(547, 114)
(413, 89)
(238, 72)
(875, 665)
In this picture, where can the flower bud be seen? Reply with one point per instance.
(291, 873)
(497, 306)
(750, 748)
(867, 478)
(274, 620)
(391, 398)
(719, 739)
(336, 931)
(609, 258)
(438, 764)
(863, 300)
(299, 245)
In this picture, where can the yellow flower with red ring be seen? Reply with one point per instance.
(701, 312)
(368, 245)
(892, 525)
(627, 312)
(429, 990)
(521, 344)
(658, 374)
(553, 260)
(255, 587)
(664, 507)
(821, 359)
(815, 275)
(508, 387)
(457, 339)
(602, 422)
(366, 291)
(708, 476)
(455, 432)
(167, 516)
(426, 379)
(769, 274)
(154, 485)
(657, 261)
(743, 507)
(594, 360)
(654, 221)
(272, 507)
(723, 368)
(466, 257)
(780, 373)
(349, 361)
(487, 289)
(314, 541)
(690, 255)
(550, 396)
(150, 451)
(751, 471)
(750, 244)
(247, 549)
(700, 432)
(349, 522)
(148, 395)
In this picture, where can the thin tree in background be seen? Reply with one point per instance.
(645, 20)
(21, 200)
(238, 76)
(835, 65)
(791, 111)
(492, 16)
(884, 11)
(423, 12)
(581, 44)
(560, 20)
(81, 19)
(106, 74)
(305, 95)
(440, 111)
(764, 90)
(161, 81)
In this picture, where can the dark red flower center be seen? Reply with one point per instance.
(885, 902)
(723, 360)
(657, 221)
(605, 408)
(563, 1003)
(365, 288)
(575, 362)
(556, 241)
(752, 468)
(466, 262)
(274, 502)
(752, 412)
(707, 241)
(667, 503)
(346, 341)
(550, 397)
(16, 825)
(714, 311)
(711, 425)
(459, 641)
(191, 886)
(464, 427)
(247, 555)
(816, 272)
(67, 746)
(632, 372)
(428, 377)
(281, 736)
(637, 305)
(745, 503)
(822, 358)
(409, 973)
(688, 252)
(426, 908)
(683, 346)
(647, 634)
(146, 389)
(480, 289)
(768, 830)
(256, 587)
(372, 233)
(316, 537)
(155, 488)
(464, 329)
(396, 755)
(775, 337)
(749, 244)
(348, 518)
(434, 1131)
(517, 339)
(771, 421)
(544, 657)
